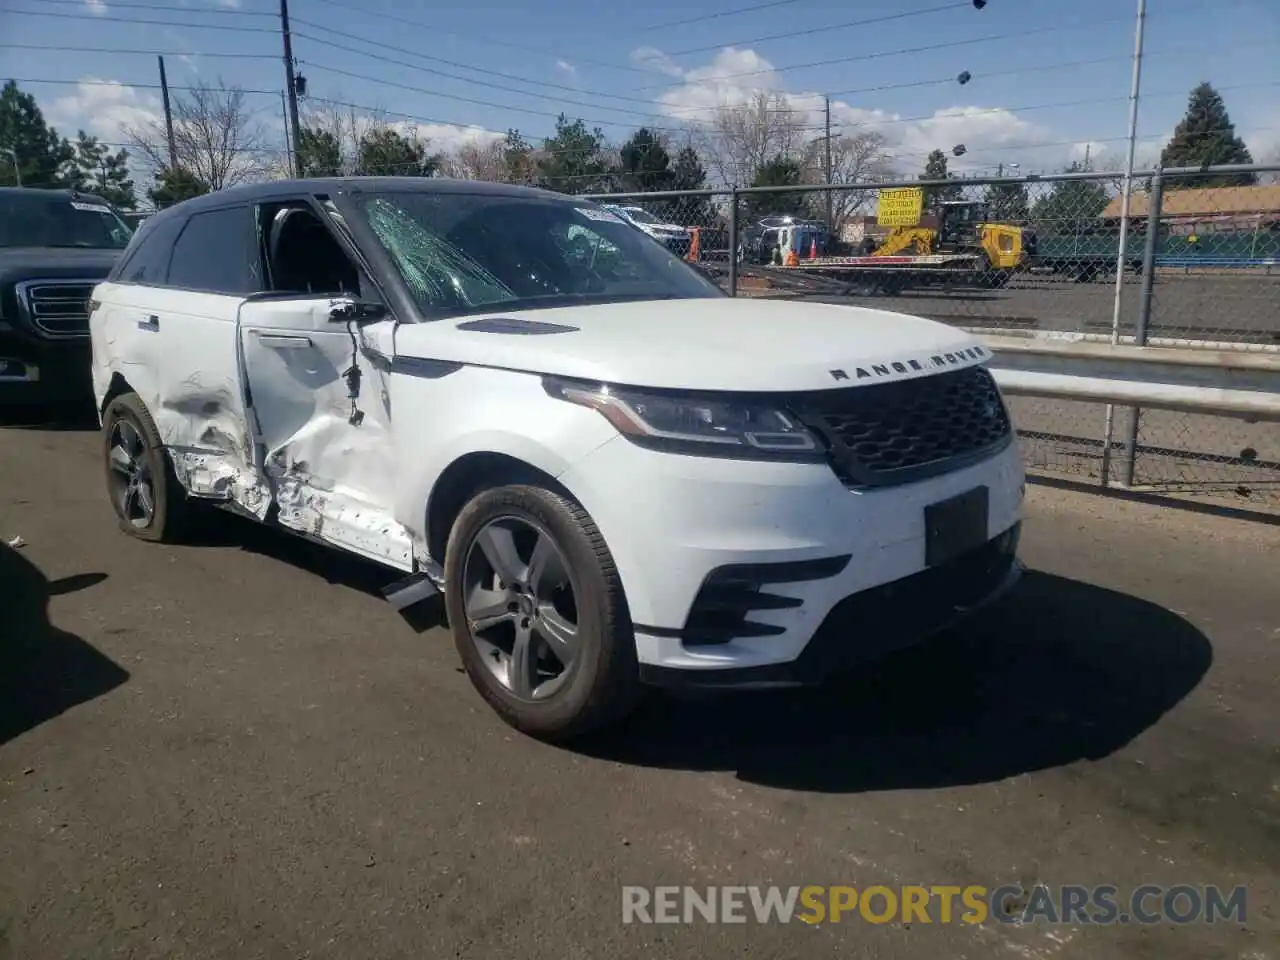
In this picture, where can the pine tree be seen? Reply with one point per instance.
(384, 152)
(1206, 136)
(174, 186)
(1007, 202)
(1072, 206)
(320, 152)
(43, 158)
(573, 161)
(688, 173)
(935, 168)
(778, 172)
(517, 159)
(644, 163)
(99, 171)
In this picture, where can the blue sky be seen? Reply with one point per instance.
(629, 67)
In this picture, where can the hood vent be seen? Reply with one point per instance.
(512, 326)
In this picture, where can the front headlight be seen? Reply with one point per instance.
(707, 426)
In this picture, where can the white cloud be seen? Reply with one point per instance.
(445, 137)
(567, 68)
(229, 4)
(97, 7)
(656, 60)
(990, 135)
(104, 108)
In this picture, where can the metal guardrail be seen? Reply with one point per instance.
(1221, 383)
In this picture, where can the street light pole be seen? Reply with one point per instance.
(17, 167)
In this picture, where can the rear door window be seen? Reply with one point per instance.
(148, 261)
(216, 253)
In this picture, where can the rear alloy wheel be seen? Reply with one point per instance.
(147, 499)
(537, 612)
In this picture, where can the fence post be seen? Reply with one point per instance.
(733, 241)
(1155, 208)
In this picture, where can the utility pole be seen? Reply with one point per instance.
(830, 207)
(291, 87)
(288, 141)
(168, 118)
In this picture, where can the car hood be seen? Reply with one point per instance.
(24, 263)
(701, 344)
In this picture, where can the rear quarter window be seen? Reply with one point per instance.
(146, 260)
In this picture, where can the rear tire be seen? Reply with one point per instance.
(149, 502)
(538, 613)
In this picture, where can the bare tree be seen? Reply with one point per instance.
(216, 137)
(347, 125)
(477, 160)
(861, 157)
(741, 138)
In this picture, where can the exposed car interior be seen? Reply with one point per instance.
(303, 257)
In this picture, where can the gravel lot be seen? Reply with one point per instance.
(235, 749)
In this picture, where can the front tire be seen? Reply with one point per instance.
(538, 613)
(149, 502)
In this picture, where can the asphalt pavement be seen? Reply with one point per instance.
(236, 749)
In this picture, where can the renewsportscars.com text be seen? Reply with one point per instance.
(1070, 904)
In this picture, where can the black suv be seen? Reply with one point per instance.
(55, 247)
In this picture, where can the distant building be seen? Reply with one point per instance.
(1208, 210)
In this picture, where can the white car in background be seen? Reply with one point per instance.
(614, 473)
(671, 235)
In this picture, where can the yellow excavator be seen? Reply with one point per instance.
(963, 227)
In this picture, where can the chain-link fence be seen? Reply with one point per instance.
(1196, 261)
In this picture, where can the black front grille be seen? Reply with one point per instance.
(57, 308)
(909, 430)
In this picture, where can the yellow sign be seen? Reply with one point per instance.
(900, 208)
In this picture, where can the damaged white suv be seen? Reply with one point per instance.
(614, 473)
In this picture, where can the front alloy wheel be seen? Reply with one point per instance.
(521, 610)
(538, 613)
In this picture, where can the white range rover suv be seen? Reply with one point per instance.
(613, 472)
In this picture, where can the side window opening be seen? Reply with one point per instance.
(302, 256)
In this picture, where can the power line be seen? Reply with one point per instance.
(882, 54)
(123, 52)
(1196, 6)
(346, 35)
(753, 8)
(134, 86)
(472, 100)
(523, 47)
(723, 13)
(557, 86)
(902, 15)
(169, 7)
(142, 21)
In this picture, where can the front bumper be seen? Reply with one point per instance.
(844, 570)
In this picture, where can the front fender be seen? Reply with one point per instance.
(438, 420)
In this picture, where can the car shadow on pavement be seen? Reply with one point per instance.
(220, 529)
(68, 418)
(1059, 671)
(44, 671)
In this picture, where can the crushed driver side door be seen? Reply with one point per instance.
(326, 454)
